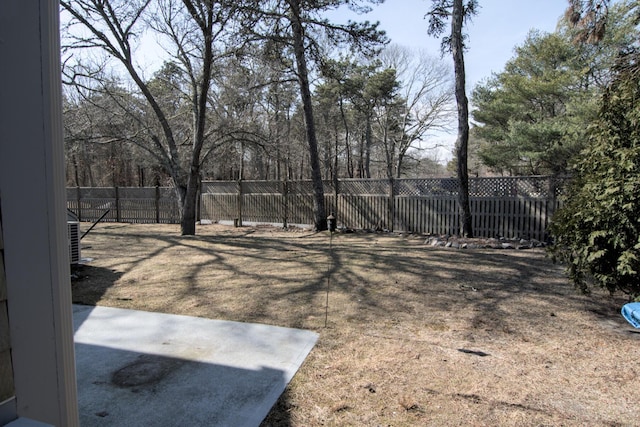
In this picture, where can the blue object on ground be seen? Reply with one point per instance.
(631, 312)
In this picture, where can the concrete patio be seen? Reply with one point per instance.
(139, 368)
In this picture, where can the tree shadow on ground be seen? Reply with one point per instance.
(89, 284)
(382, 287)
(375, 275)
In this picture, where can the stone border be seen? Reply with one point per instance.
(483, 243)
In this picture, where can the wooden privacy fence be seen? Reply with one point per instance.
(124, 204)
(503, 206)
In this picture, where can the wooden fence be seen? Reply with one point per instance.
(124, 204)
(504, 206)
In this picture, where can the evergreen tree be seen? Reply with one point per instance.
(458, 11)
(531, 118)
(597, 231)
(527, 115)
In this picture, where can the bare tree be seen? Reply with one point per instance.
(194, 32)
(426, 92)
(97, 138)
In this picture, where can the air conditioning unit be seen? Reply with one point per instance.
(73, 233)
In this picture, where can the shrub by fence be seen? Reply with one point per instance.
(503, 206)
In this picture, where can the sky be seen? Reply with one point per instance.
(499, 26)
(493, 33)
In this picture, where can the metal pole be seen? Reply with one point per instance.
(330, 220)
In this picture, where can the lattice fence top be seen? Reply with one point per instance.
(365, 187)
(530, 186)
(426, 187)
(504, 187)
(538, 187)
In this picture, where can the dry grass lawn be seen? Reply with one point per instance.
(415, 335)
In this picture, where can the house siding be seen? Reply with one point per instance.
(7, 389)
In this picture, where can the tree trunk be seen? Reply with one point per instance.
(277, 138)
(462, 141)
(189, 202)
(361, 157)
(75, 170)
(181, 194)
(319, 214)
(205, 19)
(347, 148)
(367, 150)
(399, 165)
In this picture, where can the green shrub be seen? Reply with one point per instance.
(597, 231)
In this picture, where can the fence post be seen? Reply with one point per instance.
(157, 204)
(285, 203)
(391, 204)
(117, 204)
(78, 198)
(238, 223)
(336, 195)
